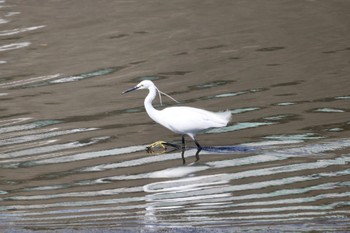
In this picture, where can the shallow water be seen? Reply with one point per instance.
(72, 148)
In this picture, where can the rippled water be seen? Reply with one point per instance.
(73, 150)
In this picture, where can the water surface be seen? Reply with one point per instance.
(73, 149)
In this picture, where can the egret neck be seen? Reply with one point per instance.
(151, 111)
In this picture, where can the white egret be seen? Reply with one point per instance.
(181, 120)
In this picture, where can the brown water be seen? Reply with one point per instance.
(72, 148)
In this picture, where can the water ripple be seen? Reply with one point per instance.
(19, 30)
(14, 46)
(82, 171)
(35, 137)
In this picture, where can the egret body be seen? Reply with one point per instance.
(181, 120)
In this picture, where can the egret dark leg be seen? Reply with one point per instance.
(183, 156)
(171, 144)
(197, 154)
(183, 142)
(199, 147)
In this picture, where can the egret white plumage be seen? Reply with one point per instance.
(179, 119)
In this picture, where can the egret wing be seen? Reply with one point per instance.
(190, 120)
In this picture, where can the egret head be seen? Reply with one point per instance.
(145, 84)
(148, 84)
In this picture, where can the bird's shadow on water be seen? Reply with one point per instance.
(203, 150)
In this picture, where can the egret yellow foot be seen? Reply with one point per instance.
(160, 147)
(157, 144)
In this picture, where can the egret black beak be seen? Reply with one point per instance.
(131, 89)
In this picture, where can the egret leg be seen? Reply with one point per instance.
(183, 156)
(171, 144)
(183, 142)
(197, 154)
(199, 147)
